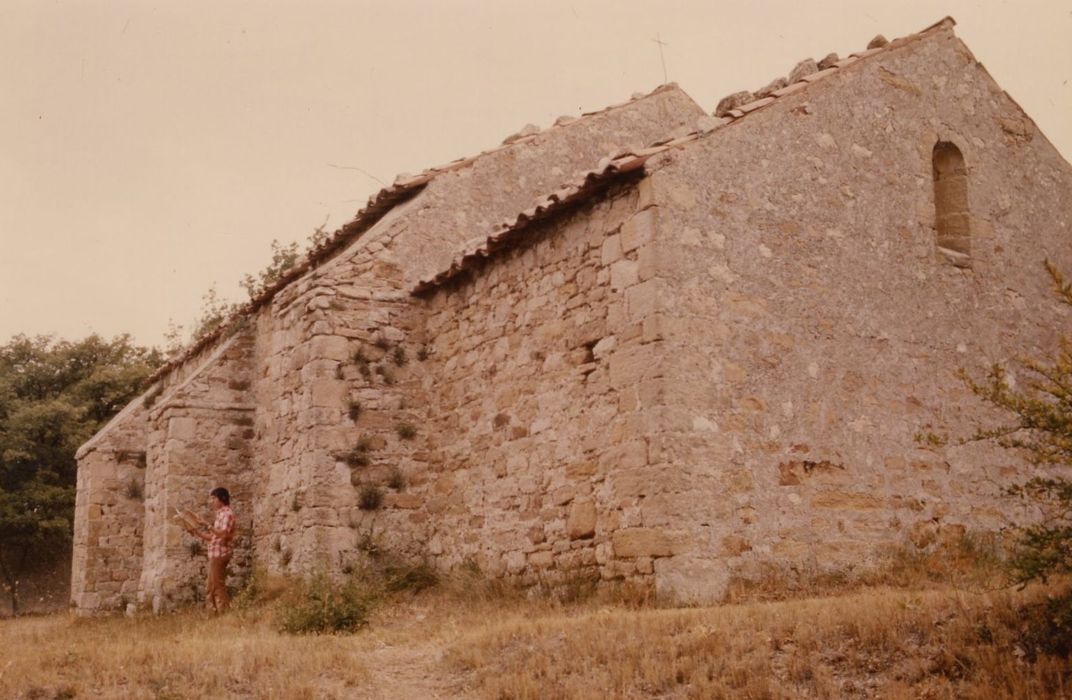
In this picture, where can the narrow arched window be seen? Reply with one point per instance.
(951, 219)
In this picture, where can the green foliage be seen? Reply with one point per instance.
(930, 439)
(214, 313)
(320, 606)
(1042, 409)
(406, 431)
(1041, 429)
(284, 257)
(1045, 548)
(54, 395)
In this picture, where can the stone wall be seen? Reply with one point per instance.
(538, 400)
(335, 355)
(109, 508)
(817, 329)
(199, 438)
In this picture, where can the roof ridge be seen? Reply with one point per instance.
(524, 136)
(625, 160)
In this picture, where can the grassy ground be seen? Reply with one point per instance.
(463, 639)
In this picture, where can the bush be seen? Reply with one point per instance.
(410, 577)
(1041, 430)
(259, 587)
(370, 497)
(396, 479)
(319, 606)
(1049, 627)
(357, 456)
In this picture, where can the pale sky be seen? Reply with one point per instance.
(149, 150)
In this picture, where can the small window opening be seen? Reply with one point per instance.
(951, 220)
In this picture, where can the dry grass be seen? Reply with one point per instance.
(472, 638)
(880, 643)
(181, 656)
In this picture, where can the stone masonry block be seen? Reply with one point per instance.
(954, 225)
(182, 428)
(649, 262)
(329, 347)
(328, 393)
(847, 501)
(644, 299)
(648, 542)
(581, 523)
(691, 579)
(639, 230)
(623, 274)
(645, 193)
(951, 193)
(630, 364)
(612, 249)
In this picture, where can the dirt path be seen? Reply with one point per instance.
(407, 671)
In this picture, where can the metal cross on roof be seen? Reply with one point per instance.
(658, 40)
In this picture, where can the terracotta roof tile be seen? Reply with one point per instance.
(827, 61)
(820, 75)
(790, 89)
(868, 52)
(753, 106)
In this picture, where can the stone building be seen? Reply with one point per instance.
(716, 347)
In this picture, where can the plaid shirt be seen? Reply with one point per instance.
(220, 545)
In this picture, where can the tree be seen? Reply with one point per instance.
(1041, 429)
(54, 395)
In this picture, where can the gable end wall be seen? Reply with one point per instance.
(817, 328)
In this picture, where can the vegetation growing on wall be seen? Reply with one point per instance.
(215, 311)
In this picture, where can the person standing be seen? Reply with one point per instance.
(218, 535)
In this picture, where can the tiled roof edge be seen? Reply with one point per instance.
(375, 210)
(404, 186)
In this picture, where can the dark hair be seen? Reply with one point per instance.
(222, 494)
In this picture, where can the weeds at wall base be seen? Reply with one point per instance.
(323, 604)
(972, 561)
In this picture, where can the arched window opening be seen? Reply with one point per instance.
(951, 219)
